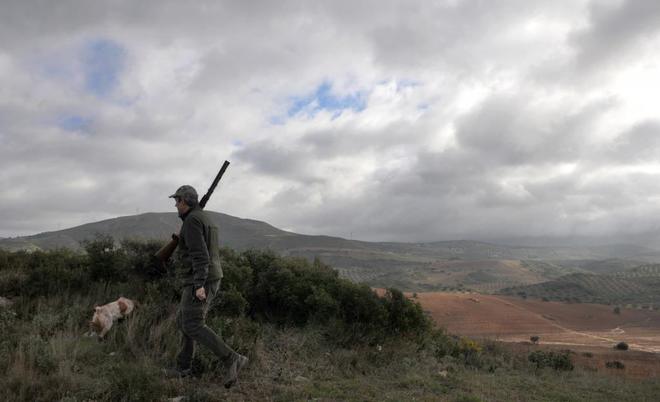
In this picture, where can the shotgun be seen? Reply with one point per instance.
(166, 251)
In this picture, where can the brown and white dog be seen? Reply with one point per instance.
(106, 315)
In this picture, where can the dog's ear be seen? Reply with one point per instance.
(122, 306)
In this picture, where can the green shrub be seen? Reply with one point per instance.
(615, 365)
(558, 361)
(405, 316)
(291, 291)
(466, 350)
(230, 303)
(140, 259)
(621, 346)
(46, 273)
(322, 305)
(13, 282)
(237, 269)
(106, 262)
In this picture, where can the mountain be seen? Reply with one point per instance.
(409, 266)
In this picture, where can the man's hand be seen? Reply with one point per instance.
(200, 294)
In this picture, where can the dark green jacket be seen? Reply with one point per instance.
(199, 249)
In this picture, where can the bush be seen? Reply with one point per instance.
(12, 282)
(469, 351)
(442, 343)
(47, 273)
(258, 284)
(140, 259)
(404, 315)
(106, 262)
(230, 303)
(291, 291)
(621, 346)
(558, 361)
(615, 365)
(465, 349)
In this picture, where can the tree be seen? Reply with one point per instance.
(534, 339)
(621, 346)
(615, 364)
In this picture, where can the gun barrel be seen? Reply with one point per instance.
(205, 199)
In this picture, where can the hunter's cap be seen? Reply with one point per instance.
(185, 192)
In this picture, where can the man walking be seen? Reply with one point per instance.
(201, 274)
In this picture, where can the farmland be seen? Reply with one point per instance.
(583, 328)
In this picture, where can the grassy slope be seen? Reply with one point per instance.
(45, 355)
(53, 360)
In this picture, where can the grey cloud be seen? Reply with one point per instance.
(639, 144)
(279, 160)
(520, 130)
(298, 160)
(615, 30)
(463, 192)
(502, 174)
(334, 143)
(553, 189)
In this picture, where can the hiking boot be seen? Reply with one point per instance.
(232, 374)
(176, 372)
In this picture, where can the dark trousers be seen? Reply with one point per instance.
(190, 321)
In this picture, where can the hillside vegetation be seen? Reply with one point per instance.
(647, 271)
(309, 334)
(638, 286)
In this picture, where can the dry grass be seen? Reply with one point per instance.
(286, 364)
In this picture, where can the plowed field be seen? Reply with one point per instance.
(592, 328)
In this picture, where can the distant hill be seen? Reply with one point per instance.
(460, 264)
(236, 233)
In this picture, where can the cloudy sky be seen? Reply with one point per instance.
(409, 120)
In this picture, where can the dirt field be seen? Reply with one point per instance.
(583, 328)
